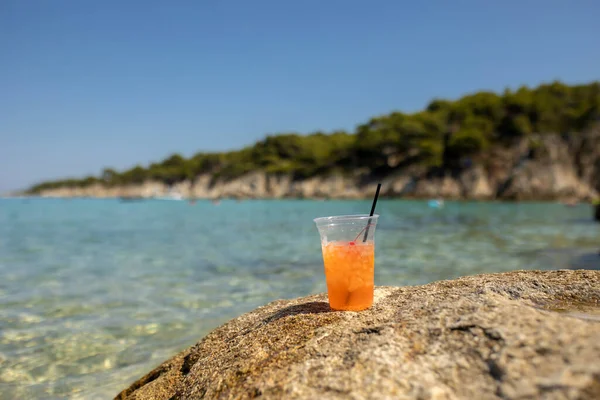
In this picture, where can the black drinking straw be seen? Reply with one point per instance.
(372, 212)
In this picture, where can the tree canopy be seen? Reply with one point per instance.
(443, 133)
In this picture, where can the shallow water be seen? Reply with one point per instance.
(95, 293)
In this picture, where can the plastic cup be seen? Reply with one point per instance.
(348, 245)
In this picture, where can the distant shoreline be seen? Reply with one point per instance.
(534, 183)
(530, 144)
(551, 168)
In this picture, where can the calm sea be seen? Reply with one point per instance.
(95, 293)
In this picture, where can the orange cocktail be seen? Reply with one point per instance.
(349, 258)
(350, 274)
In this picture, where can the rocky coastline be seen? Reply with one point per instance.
(522, 334)
(544, 167)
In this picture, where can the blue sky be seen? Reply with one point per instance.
(89, 84)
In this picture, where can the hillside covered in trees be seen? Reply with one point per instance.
(445, 135)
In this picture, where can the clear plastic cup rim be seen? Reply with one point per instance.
(334, 219)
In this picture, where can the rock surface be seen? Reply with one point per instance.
(516, 335)
(542, 167)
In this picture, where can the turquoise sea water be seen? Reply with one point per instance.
(95, 293)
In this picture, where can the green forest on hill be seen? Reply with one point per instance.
(441, 135)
